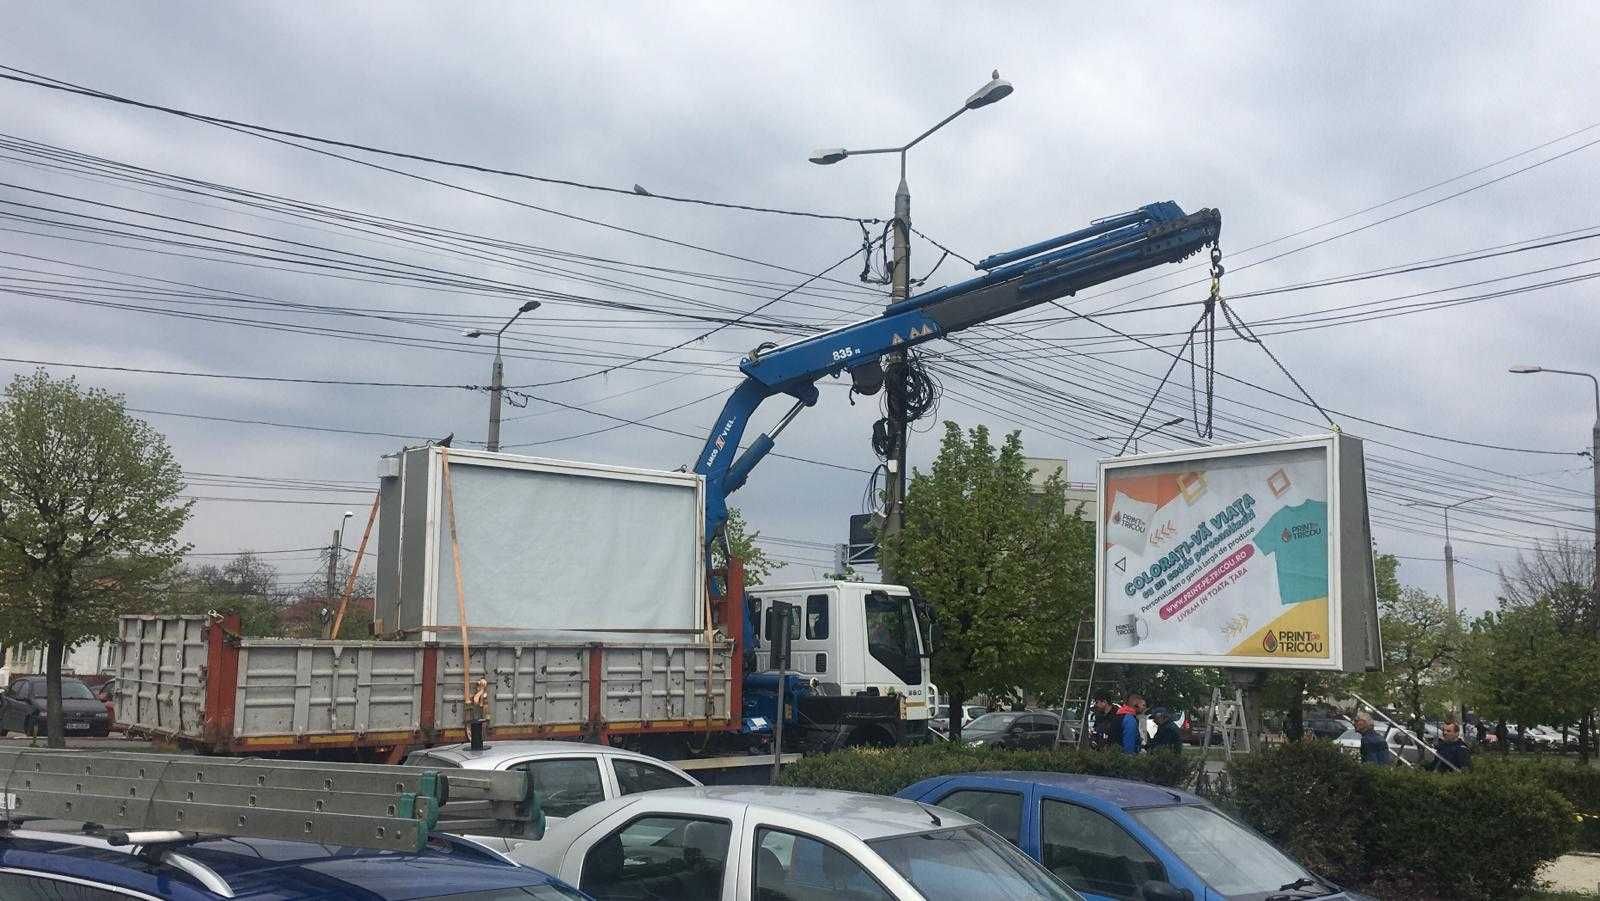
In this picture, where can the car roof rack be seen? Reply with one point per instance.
(356, 805)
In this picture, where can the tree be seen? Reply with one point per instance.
(1560, 574)
(1008, 574)
(1518, 664)
(89, 518)
(1421, 646)
(757, 565)
(246, 585)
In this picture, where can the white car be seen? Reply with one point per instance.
(568, 775)
(755, 843)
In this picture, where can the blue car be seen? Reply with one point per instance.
(1116, 839)
(43, 865)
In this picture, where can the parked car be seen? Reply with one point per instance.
(1025, 729)
(777, 844)
(1328, 727)
(568, 775)
(105, 692)
(1116, 839)
(61, 865)
(23, 704)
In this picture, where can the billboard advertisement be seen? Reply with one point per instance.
(1250, 556)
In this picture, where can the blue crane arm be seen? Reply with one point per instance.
(1012, 281)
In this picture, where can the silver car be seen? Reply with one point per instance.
(755, 842)
(568, 775)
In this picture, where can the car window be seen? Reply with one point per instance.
(817, 617)
(27, 887)
(565, 785)
(1042, 724)
(993, 722)
(73, 690)
(793, 867)
(658, 857)
(634, 776)
(1091, 853)
(1000, 811)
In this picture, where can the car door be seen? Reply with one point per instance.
(794, 859)
(17, 706)
(1042, 731)
(632, 775)
(667, 849)
(1095, 854)
(566, 783)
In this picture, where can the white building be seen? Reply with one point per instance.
(1080, 495)
(87, 659)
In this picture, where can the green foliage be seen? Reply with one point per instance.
(89, 517)
(884, 771)
(1008, 571)
(1421, 647)
(1402, 832)
(743, 541)
(1579, 784)
(1521, 665)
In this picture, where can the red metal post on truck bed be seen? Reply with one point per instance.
(732, 625)
(222, 680)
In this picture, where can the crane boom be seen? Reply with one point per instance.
(1015, 280)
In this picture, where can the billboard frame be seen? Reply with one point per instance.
(1347, 518)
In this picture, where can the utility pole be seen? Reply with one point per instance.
(497, 373)
(900, 288)
(1450, 580)
(333, 564)
(333, 574)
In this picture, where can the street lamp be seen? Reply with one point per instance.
(1449, 553)
(497, 375)
(996, 89)
(1147, 432)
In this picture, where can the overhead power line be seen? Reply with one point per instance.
(22, 76)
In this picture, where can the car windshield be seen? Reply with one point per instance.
(968, 862)
(992, 722)
(71, 690)
(1230, 858)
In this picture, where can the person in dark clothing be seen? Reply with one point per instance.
(1106, 730)
(1374, 747)
(1502, 737)
(1128, 724)
(1452, 750)
(1167, 737)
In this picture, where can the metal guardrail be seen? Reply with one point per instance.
(356, 805)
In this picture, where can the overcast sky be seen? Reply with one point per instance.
(1284, 116)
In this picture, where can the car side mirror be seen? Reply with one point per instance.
(1156, 890)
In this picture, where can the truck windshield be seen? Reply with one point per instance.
(892, 636)
(969, 862)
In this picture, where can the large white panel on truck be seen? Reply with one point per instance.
(549, 546)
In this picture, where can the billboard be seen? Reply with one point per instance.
(548, 549)
(1248, 556)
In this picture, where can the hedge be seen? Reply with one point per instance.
(1399, 832)
(884, 771)
(1580, 785)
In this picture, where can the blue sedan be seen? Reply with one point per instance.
(1116, 839)
(37, 864)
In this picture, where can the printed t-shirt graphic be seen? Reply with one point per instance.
(1297, 540)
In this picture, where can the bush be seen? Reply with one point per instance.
(1580, 785)
(884, 771)
(1402, 832)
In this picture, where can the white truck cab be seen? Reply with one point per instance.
(851, 639)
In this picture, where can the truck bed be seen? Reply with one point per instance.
(195, 682)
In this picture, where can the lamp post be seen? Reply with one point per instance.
(995, 90)
(1449, 552)
(1594, 457)
(497, 376)
(1145, 433)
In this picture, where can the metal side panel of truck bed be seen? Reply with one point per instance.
(198, 683)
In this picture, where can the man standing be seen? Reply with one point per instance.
(1374, 748)
(1451, 750)
(1167, 737)
(1129, 725)
(1104, 732)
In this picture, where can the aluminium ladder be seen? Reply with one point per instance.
(180, 797)
(1224, 717)
(1080, 685)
